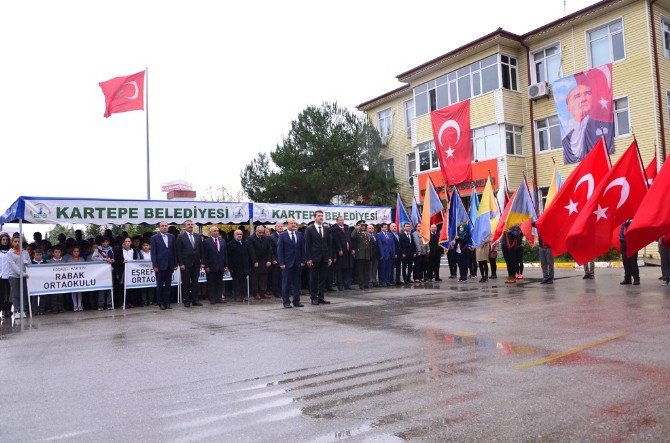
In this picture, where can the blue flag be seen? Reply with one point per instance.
(457, 213)
(416, 217)
(401, 216)
(474, 210)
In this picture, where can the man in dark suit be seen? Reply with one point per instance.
(275, 276)
(396, 261)
(290, 258)
(215, 259)
(189, 258)
(318, 258)
(342, 253)
(239, 265)
(164, 262)
(434, 254)
(407, 252)
(260, 251)
(386, 253)
(374, 256)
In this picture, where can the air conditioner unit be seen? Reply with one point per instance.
(538, 90)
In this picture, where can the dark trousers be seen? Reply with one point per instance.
(189, 284)
(385, 271)
(494, 267)
(318, 274)
(363, 272)
(5, 300)
(374, 271)
(407, 267)
(472, 262)
(290, 284)
(239, 287)
(665, 261)
(214, 286)
(343, 276)
(419, 267)
(453, 264)
(630, 268)
(163, 281)
(259, 280)
(484, 269)
(433, 270)
(463, 258)
(275, 280)
(397, 267)
(510, 262)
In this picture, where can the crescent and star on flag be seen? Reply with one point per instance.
(449, 124)
(122, 89)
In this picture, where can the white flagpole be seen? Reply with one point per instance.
(146, 112)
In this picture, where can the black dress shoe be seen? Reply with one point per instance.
(438, 279)
(197, 303)
(315, 302)
(287, 305)
(625, 282)
(544, 282)
(636, 282)
(168, 307)
(187, 305)
(298, 305)
(324, 302)
(163, 308)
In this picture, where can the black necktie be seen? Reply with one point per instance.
(320, 233)
(292, 237)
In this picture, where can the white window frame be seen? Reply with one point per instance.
(500, 71)
(531, 61)
(619, 111)
(514, 132)
(474, 147)
(609, 38)
(432, 152)
(538, 130)
(665, 23)
(410, 172)
(385, 167)
(383, 115)
(408, 118)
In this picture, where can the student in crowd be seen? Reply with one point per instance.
(493, 257)
(435, 252)
(407, 252)
(5, 299)
(148, 294)
(462, 240)
(123, 255)
(16, 272)
(38, 302)
(76, 296)
(104, 253)
(57, 299)
(482, 256)
(631, 270)
(589, 270)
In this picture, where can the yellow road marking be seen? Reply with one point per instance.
(571, 351)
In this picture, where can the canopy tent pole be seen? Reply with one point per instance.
(22, 264)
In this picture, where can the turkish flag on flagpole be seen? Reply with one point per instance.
(652, 219)
(651, 171)
(451, 132)
(124, 94)
(592, 231)
(555, 222)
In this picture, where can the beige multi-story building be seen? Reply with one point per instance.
(513, 119)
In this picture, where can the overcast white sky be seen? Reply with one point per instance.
(225, 80)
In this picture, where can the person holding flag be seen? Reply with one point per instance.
(521, 210)
(457, 216)
(431, 215)
(462, 241)
(485, 221)
(546, 257)
(472, 247)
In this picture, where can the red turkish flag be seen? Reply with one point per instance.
(652, 219)
(124, 94)
(451, 132)
(555, 222)
(651, 171)
(592, 231)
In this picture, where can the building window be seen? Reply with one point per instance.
(621, 117)
(385, 122)
(508, 68)
(486, 142)
(548, 134)
(409, 115)
(547, 64)
(427, 156)
(513, 139)
(606, 44)
(387, 167)
(411, 164)
(543, 197)
(665, 29)
(469, 81)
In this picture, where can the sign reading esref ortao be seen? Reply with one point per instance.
(64, 278)
(279, 212)
(140, 274)
(132, 211)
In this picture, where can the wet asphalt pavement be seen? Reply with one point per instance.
(576, 361)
